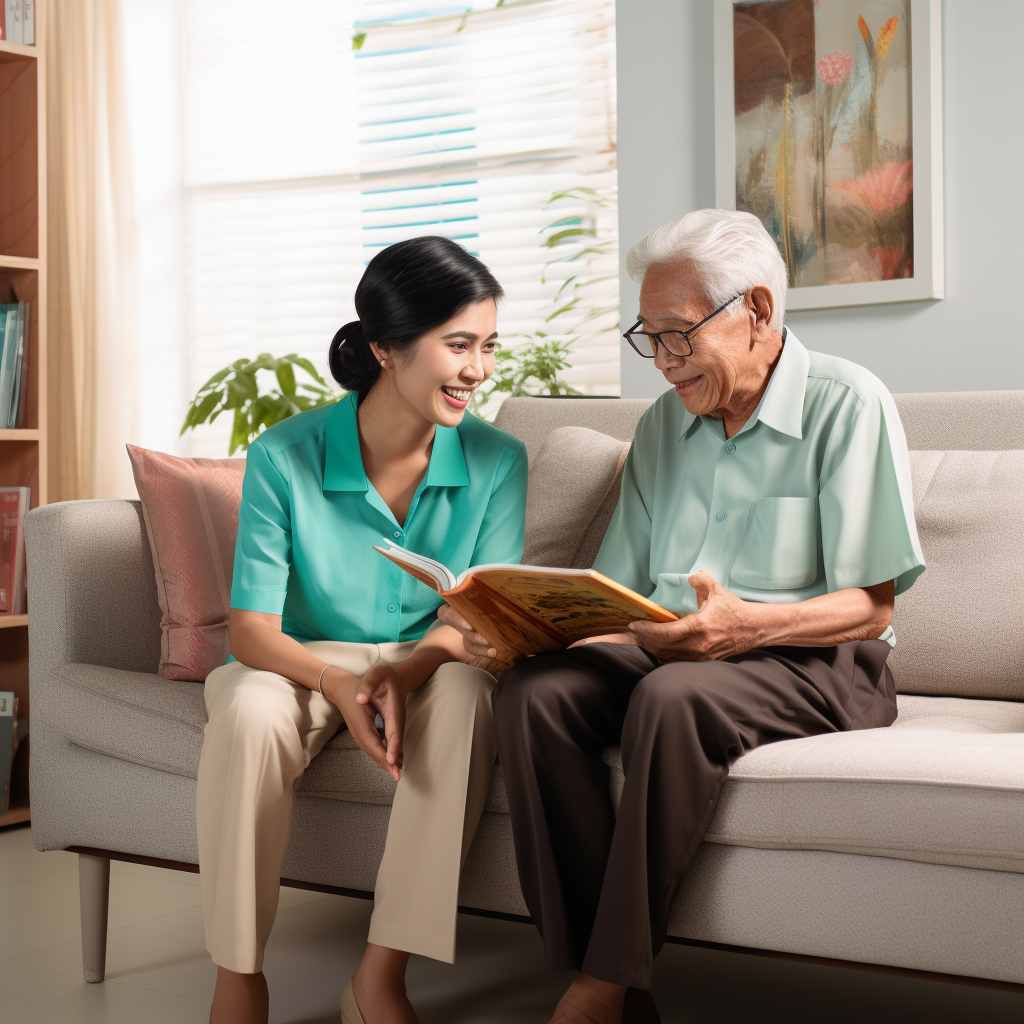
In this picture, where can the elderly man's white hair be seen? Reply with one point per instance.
(731, 252)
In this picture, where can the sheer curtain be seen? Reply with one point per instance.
(91, 368)
(305, 137)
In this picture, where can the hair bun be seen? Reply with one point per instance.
(351, 359)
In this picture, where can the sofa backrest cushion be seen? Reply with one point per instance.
(191, 512)
(945, 420)
(533, 419)
(573, 489)
(960, 627)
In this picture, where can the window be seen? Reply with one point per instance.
(316, 133)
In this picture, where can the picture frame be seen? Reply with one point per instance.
(859, 274)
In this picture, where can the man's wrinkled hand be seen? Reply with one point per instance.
(723, 626)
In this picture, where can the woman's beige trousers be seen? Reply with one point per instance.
(263, 731)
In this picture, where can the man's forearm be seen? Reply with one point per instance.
(859, 613)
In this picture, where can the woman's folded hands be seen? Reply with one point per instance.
(381, 691)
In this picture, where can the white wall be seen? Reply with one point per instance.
(969, 341)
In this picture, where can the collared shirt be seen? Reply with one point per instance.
(811, 496)
(309, 518)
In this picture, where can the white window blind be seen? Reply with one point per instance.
(304, 156)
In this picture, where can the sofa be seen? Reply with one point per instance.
(901, 848)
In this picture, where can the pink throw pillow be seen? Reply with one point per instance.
(191, 511)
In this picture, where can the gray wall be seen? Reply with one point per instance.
(968, 341)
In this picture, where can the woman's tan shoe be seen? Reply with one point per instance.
(349, 1009)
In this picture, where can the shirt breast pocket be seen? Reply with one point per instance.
(779, 549)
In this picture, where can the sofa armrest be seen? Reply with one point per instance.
(91, 588)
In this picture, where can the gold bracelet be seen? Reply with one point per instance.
(319, 683)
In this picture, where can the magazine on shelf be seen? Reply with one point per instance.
(18, 392)
(14, 317)
(526, 609)
(14, 503)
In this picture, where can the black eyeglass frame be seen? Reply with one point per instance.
(657, 336)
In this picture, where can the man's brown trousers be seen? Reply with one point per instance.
(599, 887)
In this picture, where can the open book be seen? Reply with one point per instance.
(526, 609)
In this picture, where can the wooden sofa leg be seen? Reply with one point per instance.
(94, 889)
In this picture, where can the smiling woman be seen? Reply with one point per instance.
(327, 633)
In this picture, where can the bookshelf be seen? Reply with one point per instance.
(23, 278)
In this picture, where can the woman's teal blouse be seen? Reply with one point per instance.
(309, 518)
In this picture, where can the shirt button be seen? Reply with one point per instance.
(730, 449)
(392, 607)
(720, 516)
(398, 533)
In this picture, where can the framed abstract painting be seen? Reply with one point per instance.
(828, 128)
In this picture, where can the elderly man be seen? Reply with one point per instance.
(766, 501)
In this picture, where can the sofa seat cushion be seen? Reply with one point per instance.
(134, 716)
(145, 719)
(944, 784)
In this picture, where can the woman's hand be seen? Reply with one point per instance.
(476, 646)
(384, 689)
(343, 689)
(479, 652)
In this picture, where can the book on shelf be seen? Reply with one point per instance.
(8, 743)
(18, 21)
(14, 503)
(14, 318)
(527, 609)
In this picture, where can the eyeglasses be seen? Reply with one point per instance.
(671, 341)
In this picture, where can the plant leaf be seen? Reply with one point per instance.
(560, 236)
(306, 365)
(286, 377)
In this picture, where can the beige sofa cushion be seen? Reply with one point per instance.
(960, 628)
(572, 492)
(944, 784)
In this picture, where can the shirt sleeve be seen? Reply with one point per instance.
(865, 501)
(263, 549)
(625, 554)
(503, 529)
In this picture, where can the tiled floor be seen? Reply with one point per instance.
(158, 970)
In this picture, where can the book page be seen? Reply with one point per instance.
(426, 570)
(579, 605)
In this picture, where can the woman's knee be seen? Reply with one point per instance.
(455, 692)
(260, 709)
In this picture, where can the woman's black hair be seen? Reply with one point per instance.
(406, 290)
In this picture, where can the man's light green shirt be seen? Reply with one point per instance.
(811, 496)
(309, 518)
